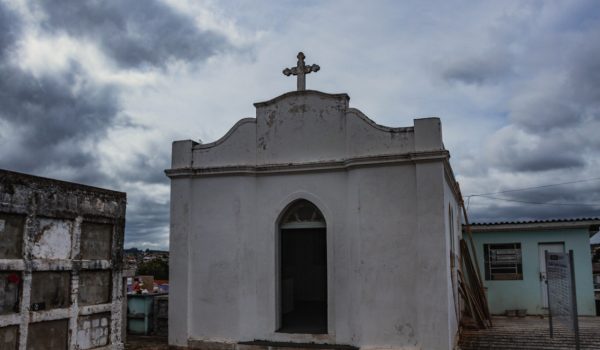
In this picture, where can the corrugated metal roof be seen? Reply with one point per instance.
(547, 221)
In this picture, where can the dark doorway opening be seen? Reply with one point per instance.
(303, 280)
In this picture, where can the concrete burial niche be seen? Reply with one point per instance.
(96, 241)
(313, 224)
(10, 292)
(48, 335)
(50, 290)
(9, 338)
(94, 287)
(61, 248)
(11, 236)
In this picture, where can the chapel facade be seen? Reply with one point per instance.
(310, 223)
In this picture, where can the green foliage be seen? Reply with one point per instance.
(156, 267)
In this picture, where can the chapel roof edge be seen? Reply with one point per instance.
(360, 114)
(344, 96)
(10, 176)
(227, 135)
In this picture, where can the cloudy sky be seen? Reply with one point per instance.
(96, 91)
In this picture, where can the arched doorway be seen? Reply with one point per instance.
(303, 269)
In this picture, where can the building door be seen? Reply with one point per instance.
(552, 248)
(303, 270)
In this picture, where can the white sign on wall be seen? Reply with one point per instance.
(562, 301)
(560, 296)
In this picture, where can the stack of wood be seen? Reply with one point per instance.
(470, 285)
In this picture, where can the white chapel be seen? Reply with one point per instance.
(310, 223)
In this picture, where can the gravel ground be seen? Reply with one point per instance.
(135, 342)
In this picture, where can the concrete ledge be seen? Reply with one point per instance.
(311, 167)
(210, 345)
(12, 265)
(269, 345)
(260, 345)
(94, 309)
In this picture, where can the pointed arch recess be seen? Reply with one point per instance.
(302, 213)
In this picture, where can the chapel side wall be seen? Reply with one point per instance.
(431, 265)
(370, 243)
(452, 235)
(432, 282)
(221, 220)
(181, 214)
(380, 258)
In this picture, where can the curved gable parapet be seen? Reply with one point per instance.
(342, 96)
(236, 147)
(364, 137)
(309, 127)
(227, 134)
(371, 122)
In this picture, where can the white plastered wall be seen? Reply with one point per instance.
(385, 208)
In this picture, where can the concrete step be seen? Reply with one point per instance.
(269, 345)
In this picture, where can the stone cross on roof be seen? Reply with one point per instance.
(301, 70)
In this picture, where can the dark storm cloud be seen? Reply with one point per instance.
(584, 74)
(488, 69)
(564, 201)
(50, 116)
(53, 120)
(146, 222)
(136, 34)
(562, 194)
(10, 28)
(553, 113)
(58, 118)
(532, 162)
(513, 150)
(523, 212)
(540, 113)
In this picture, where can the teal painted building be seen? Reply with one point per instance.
(511, 260)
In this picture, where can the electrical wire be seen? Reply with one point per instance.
(543, 203)
(532, 188)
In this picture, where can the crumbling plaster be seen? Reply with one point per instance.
(54, 213)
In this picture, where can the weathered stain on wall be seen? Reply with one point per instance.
(61, 247)
(93, 331)
(52, 239)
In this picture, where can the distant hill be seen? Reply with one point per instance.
(137, 251)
